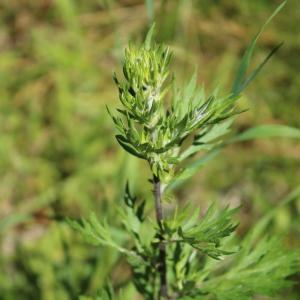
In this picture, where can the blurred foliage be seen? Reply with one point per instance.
(58, 156)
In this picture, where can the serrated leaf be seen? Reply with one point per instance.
(264, 271)
(206, 234)
(97, 233)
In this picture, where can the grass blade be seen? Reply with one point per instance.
(267, 131)
(239, 82)
(150, 10)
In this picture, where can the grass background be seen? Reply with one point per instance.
(58, 154)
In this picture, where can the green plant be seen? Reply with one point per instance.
(181, 255)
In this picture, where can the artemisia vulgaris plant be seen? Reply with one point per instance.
(181, 255)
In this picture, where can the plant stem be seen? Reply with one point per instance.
(162, 263)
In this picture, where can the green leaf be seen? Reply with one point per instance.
(97, 233)
(128, 147)
(207, 140)
(192, 169)
(149, 36)
(263, 271)
(240, 81)
(262, 266)
(262, 131)
(150, 9)
(255, 72)
(207, 234)
(190, 88)
(129, 199)
(267, 131)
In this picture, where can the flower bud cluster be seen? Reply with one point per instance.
(147, 128)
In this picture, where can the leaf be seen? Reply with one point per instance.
(240, 81)
(207, 234)
(128, 147)
(192, 169)
(206, 141)
(150, 9)
(255, 72)
(262, 131)
(97, 233)
(262, 266)
(263, 271)
(190, 88)
(216, 131)
(267, 131)
(149, 36)
(129, 199)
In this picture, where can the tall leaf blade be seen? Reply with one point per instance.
(150, 9)
(267, 131)
(149, 36)
(254, 73)
(240, 77)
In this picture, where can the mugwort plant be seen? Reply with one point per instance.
(181, 255)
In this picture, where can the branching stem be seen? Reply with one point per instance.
(162, 263)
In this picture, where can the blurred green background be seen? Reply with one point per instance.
(58, 154)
